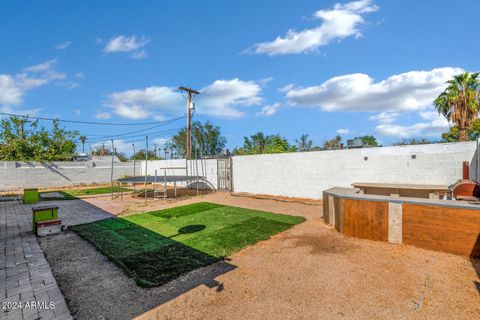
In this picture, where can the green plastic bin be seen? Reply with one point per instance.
(43, 213)
(30, 196)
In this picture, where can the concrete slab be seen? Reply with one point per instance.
(52, 195)
(25, 275)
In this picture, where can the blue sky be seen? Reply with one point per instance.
(288, 67)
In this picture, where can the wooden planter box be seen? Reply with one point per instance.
(43, 213)
(30, 196)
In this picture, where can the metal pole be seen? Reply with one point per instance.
(146, 166)
(134, 164)
(133, 145)
(196, 166)
(155, 186)
(165, 189)
(186, 172)
(111, 173)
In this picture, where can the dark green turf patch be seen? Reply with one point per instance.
(184, 211)
(154, 268)
(157, 247)
(76, 194)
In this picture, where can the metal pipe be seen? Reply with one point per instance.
(146, 166)
(175, 188)
(111, 173)
(134, 165)
(155, 186)
(165, 184)
(133, 145)
(196, 166)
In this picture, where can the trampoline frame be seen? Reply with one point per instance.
(154, 180)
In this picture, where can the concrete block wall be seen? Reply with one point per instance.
(16, 175)
(307, 174)
(207, 168)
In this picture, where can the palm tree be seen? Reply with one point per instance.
(82, 140)
(460, 102)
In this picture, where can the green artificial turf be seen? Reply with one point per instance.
(159, 246)
(78, 193)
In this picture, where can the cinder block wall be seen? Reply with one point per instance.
(16, 175)
(307, 174)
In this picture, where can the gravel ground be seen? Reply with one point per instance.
(307, 272)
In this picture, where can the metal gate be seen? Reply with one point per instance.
(224, 174)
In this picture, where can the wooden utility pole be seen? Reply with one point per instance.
(191, 93)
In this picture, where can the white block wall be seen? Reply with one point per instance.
(207, 168)
(307, 174)
(16, 175)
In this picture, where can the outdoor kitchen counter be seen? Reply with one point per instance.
(427, 223)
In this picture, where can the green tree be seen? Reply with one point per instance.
(304, 143)
(206, 139)
(460, 102)
(332, 144)
(140, 155)
(82, 141)
(412, 141)
(368, 141)
(121, 156)
(25, 140)
(101, 151)
(453, 135)
(260, 143)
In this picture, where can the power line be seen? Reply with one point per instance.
(120, 134)
(92, 122)
(140, 135)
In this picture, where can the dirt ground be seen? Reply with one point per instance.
(307, 272)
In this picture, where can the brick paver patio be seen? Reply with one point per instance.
(25, 275)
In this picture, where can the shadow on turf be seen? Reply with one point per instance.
(151, 259)
(164, 271)
(154, 261)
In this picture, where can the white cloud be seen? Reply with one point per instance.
(432, 126)
(221, 98)
(343, 21)
(422, 129)
(269, 110)
(385, 117)
(69, 84)
(30, 112)
(80, 75)
(343, 131)
(143, 103)
(63, 45)
(132, 112)
(54, 75)
(142, 54)
(103, 115)
(128, 44)
(41, 67)
(410, 91)
(77, 112)
(13, 88)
